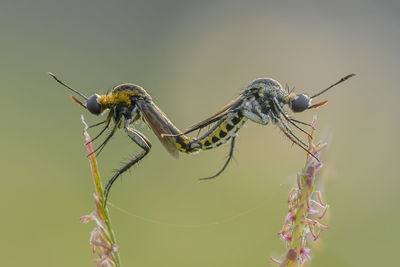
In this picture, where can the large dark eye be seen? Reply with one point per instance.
(93, 105)
(300, 103)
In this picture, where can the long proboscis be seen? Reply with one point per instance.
(340, 81)
(69, 87)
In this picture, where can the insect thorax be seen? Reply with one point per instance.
(260, 98)
(122, 101)
(125, 93)
(264, 90)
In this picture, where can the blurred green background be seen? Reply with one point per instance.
(194, 57)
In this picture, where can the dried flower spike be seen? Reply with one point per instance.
(102, 236)
(299, 225)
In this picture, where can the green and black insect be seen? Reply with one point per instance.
(262, 101)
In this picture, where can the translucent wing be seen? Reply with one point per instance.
(225, 110)
(160, 124)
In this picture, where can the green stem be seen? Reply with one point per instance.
(99, 192)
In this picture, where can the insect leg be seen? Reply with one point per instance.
(230, 155)
(287, 117)
(96, 124)
(283, 128)
(141, 141)
(101, 132)
(107, 121)
(100, 148)
(286, 127)
(301, 122)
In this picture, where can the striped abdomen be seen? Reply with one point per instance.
(219, 134)
(222, 131)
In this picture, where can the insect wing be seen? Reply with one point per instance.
(225, 110)
(160, 124)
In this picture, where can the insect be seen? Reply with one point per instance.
(262, 101)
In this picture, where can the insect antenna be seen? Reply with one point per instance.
(340, 81)
(70, 88)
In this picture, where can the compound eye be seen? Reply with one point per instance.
(300, 103)
(93, 105)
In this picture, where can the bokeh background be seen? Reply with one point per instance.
(194, 57)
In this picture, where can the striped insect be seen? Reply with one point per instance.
(262, 101)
